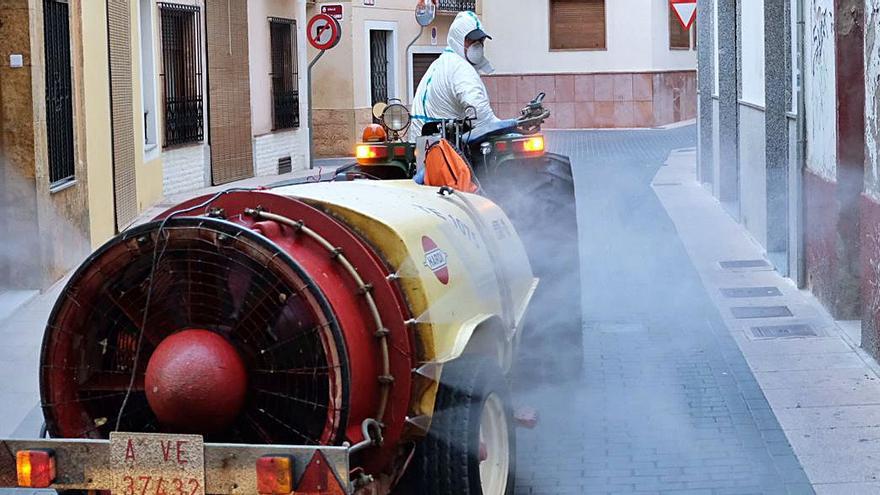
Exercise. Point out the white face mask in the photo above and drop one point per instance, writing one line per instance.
(475, 54)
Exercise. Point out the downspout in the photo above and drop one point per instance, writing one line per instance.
(801, 147)
(410, 90)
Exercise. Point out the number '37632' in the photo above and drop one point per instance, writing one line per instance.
(147, 485)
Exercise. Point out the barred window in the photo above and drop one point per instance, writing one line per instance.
(182, 73)
(59, 93)
(285, 75)
(577, 24)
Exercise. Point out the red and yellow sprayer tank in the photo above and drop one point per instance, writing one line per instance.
(313, 314)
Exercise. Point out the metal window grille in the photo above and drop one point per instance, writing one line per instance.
(59, 101)
(182, 73)
(457, 5)
(285, 74)
(379, 66)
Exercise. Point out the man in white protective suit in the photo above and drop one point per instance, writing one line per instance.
(452, 83)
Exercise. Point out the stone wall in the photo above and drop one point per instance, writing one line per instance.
(578, 101)
(336, 131)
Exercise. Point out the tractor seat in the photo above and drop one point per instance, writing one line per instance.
(487, 131)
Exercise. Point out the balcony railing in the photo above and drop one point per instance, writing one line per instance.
(457, 5)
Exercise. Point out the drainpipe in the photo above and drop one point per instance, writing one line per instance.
(801, 147)
(410, 91)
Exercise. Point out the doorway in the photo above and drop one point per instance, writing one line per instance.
(381, 50)
(378, 66)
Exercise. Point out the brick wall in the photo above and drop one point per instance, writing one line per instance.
(269, 148)
(600, 100)
(185, 169)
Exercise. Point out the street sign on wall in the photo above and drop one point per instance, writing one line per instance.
(333, 10)
(324, 32)
(686, 11)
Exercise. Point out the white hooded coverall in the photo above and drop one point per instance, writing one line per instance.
(452, 84)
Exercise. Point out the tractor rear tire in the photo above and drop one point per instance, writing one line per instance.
(538, 196)
(448, 460)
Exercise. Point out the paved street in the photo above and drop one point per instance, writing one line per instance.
(666, 403)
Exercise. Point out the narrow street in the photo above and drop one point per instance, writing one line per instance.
(666, 402)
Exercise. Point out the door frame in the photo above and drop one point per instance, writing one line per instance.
(393, 62)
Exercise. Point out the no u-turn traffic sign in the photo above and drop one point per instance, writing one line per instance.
(685, 10)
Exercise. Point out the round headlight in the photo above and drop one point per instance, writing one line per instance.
(396, 117)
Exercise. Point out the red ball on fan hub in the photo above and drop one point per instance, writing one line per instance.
(196, 382)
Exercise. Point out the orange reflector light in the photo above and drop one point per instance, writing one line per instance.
(35, 468)
(274, 475)
(367, 152)
(534, 144)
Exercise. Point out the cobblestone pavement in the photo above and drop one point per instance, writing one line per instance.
(665, 403)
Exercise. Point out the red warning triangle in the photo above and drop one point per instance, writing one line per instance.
(686, 11)
(319, 478)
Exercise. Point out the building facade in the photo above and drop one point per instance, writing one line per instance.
(106, 105)
(602, 63)
(71, 172)
(626, 63)
(373, 62)
(229, 89)
(788, 140)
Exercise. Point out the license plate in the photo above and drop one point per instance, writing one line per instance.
(157, 464)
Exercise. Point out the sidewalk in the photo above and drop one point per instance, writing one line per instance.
(21, 329)
(823, 389)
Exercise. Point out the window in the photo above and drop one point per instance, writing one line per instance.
(679, 39)
(182, 73)
(577, 24)
(148, 75)
(420, 64)
(285, 76)
(59, 100)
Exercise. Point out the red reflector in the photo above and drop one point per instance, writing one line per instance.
(501, 146)
(400, 151)
(319, 477)
(274, 475)
(35, 468)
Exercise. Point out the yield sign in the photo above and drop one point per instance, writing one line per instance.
(686, 11)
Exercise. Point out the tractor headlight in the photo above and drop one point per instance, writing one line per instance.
(396, 117)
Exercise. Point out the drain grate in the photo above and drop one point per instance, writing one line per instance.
(735, 264)
(760, 312)
(738, 292)
(784, 331)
